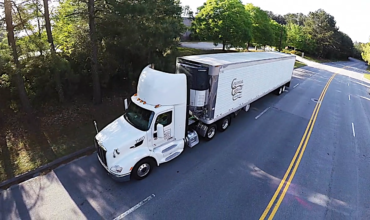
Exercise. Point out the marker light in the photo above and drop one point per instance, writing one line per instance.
(157, 106)
(135, 94)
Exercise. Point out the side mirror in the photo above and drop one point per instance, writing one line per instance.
(160, 130)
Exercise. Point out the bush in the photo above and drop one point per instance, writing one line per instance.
(285, 51)
(293, 52)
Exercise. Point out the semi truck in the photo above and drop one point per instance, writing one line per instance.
(171, 111)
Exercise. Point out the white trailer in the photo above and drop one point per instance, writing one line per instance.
(171, 111)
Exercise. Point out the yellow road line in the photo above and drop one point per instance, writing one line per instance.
(300, 156)
(311, 122)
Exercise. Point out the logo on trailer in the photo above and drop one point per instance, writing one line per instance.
(236, 88)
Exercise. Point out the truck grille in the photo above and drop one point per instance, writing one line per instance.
(101, 153)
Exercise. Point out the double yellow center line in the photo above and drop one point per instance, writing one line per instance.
(300, 151)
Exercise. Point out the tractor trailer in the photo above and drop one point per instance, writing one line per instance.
(173, 110)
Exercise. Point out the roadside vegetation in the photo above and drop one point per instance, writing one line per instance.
(298, 64)
(61, 68)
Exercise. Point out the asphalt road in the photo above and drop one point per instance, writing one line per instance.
(235, 175)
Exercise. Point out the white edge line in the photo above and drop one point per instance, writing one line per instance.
(353, 130)
(262, 113)
(135, 207)
(295, 86)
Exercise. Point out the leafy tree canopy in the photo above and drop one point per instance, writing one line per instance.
(223, 21)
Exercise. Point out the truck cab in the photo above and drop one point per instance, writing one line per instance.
(145, 135)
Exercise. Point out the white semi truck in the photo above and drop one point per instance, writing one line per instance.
(172, 110)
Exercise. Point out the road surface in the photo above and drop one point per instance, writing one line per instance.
(237, 174)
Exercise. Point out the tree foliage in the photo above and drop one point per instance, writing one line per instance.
(366, 52)
(131, 34)
(223, 21)
(295, 18)
(262, 33)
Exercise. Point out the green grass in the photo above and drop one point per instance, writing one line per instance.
(298, 64)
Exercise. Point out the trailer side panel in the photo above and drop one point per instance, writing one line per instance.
(241, 84)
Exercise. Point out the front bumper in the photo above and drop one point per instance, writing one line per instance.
(117, 177)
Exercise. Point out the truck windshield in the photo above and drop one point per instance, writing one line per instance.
(139, 117)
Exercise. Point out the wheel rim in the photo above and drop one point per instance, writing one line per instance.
(143, 170)
(225, 124)
(283, 88)
(280, 90)
(211, 132)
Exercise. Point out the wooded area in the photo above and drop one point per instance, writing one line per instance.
(61, 67)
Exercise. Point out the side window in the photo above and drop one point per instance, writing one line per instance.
(165, 119)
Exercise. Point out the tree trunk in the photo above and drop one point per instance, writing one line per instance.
(94, 53)
(58, 82)
(223, 45)
(38, 26)
(11, 40)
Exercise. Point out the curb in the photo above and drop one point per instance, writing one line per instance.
(47, 167)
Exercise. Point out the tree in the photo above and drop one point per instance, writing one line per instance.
(279, 34)
(223, 21)
(94, 53)
(296, 37)
(342, 47)
(295, 18)
(262, 33)
(11, 40)
(357, 50)
(366, 52)
(321, 27)
(278, 18)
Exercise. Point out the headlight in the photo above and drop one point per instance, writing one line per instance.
(116, 169)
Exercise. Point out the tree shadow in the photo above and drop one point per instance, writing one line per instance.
(24, 201)
(5, 157)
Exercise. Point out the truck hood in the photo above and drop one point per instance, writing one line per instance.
(120, 135)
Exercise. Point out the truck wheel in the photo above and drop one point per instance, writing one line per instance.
(224, 124)
(142, 169)
(211, 132)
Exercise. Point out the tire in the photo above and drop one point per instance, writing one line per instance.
(211, 132)
(142, 169)
(224, 124)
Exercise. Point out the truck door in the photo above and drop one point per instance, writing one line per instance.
(166, 119)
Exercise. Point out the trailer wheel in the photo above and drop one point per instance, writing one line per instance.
(142, 169)
(224, 124)
(211, 132)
